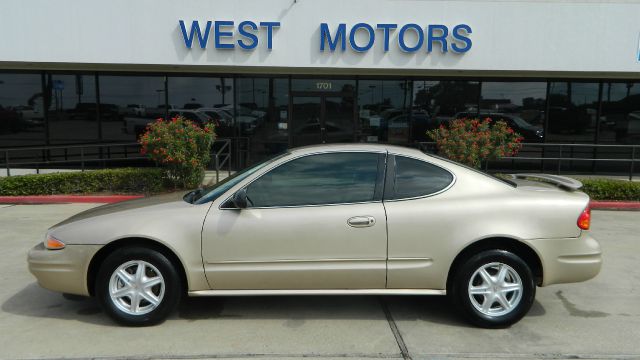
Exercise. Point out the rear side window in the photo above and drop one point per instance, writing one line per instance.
(415, 178)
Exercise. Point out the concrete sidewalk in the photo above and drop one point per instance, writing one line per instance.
(596, 319)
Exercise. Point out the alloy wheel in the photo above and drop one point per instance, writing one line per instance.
(136, 287)
(495, 289)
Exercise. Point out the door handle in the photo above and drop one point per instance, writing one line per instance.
(361, 221)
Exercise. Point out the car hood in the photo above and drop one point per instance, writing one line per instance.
(125, 206)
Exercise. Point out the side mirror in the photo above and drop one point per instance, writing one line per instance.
(239, 199)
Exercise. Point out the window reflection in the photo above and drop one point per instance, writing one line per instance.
(520, 104)
(384, 107)
(620, 118)
(73, 109)
(262, 105)
(134, 100)
(573, 109)
(338, 119)
(444, 99)
(438, 102)
(204, 99)
(21, 110)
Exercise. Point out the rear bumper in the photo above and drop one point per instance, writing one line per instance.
(62, 270)
(568, 260)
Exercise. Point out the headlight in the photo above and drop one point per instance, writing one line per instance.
(52, 243)
(539, 133)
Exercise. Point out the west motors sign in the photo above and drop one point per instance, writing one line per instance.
(563, 38)
(359, 37)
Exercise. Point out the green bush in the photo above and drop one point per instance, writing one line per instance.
(608, 189)
(126, 180)
(181, 147)
(474, 141)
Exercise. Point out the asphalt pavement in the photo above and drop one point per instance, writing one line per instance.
(592, 320)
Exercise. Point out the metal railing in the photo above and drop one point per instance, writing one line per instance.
(566, 153)
(221, 156)
(91, 154)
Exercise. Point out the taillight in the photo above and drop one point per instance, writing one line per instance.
(584, 221)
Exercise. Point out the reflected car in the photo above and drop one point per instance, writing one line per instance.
(197, 117)
(353, 219)
(529, 132)
(135, 110)
(309, 133)
(89, 112)
(223, 117)
(137, 125)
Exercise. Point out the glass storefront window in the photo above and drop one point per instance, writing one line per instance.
(21, 110)
(204, 99)
(128, 104)
(573, 108)
(520, 104)
(437, 102)
(72, 108)
(263, 105)
(384, 108)
(619, 121)
(442, 101)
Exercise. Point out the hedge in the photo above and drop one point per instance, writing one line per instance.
(152, 180)
(608, 189)
(118, 181)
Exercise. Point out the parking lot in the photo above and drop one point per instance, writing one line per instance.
(596, 319)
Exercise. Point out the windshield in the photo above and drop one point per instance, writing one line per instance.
(213, 192)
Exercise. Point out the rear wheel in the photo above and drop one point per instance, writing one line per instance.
(138, 286)
(494, 288)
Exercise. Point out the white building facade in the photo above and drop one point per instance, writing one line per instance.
(284, 73)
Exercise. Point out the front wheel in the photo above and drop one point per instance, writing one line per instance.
(493, 289)
(138, 286)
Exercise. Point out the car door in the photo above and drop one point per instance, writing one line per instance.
(419, 222)
(313, 222)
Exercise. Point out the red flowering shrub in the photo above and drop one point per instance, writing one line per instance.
(472, 141)
(181, 147)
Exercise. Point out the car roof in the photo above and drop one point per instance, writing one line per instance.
(356, 147)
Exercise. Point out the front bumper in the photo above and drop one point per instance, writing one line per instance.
(568, 260)
(62, 270)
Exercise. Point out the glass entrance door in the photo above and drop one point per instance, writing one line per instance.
(322, 118)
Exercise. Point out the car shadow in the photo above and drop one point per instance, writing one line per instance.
(436, 309)
(34, 301)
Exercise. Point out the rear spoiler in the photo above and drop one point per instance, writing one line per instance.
(560, 181)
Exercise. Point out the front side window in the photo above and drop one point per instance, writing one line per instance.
(333, 178)
(414, 178)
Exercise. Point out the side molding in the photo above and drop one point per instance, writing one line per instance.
(317, 292)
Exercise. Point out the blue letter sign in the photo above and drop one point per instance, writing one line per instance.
(361, 37)
(224, 32)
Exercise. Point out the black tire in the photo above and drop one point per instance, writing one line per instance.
(497, 316)
(168, 293)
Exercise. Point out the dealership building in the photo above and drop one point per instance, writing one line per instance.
(276, 74)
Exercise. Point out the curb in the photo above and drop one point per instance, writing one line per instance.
(65, 199)
(615, 205)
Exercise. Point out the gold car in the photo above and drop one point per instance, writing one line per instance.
(331, 219)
